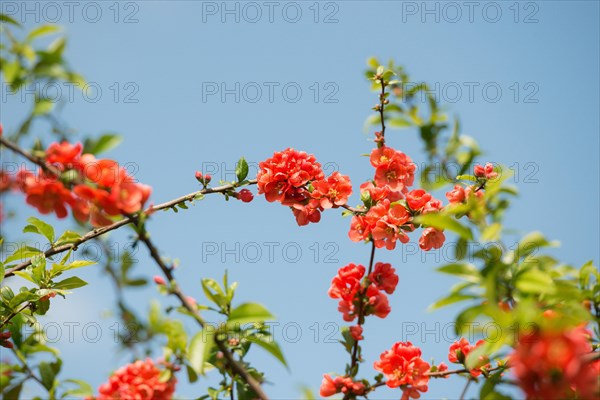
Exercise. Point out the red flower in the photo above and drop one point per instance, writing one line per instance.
(385, 221)
(306, 214)
(378, 193)
(283, 177)
(359, 229)
(377, 303)
(103, 172)
(48, 196)
(393, 168)
(347, 282)
(345, 286)
(403, 367)
(431, 238)
(356, 332)
(65, 154)
(332, 191)
(139, 380)
(459, 351)
(384, 277)
(331, 386)
(457, 195)
(416, 199)
(433, 205)
(551, 365)
(328, 387)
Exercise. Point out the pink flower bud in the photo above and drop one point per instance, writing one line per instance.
(479, 171)
(199, 176)
(207, 178)
(159, 280)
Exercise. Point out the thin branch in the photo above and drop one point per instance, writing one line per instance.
(30, 373)
(125, 221)
(354, 359)
(176, 291)
(14, 314)
(36, 160)
(464, 391)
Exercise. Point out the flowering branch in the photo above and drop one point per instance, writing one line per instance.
(125, 221)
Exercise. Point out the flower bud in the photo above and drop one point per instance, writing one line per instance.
(245, 195)
(159, 280)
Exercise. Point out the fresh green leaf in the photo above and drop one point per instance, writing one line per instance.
(241, 169)
(442, 221)
(41, 31)
(104, 143)
(38, 226)
(69, 283)
(68, 237)
(249, 313)
(269, 345)
(535, 281)
(200, 348)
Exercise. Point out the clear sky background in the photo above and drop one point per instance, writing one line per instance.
(166, 55)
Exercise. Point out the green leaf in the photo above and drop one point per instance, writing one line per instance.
(467, 178)
(450, 299)
(465, 271)
(83, 389)
(14, 393)
(200, 348)
(56, 268)
(41, 31)
(43, 107)
(2, 270)
(535, 281)
(399, 123)
(241, 169)
(491, 232)
(442, 221)
(269, 345)
(531, 244)
(69, 283)
(25, 275)
(249, 313)
(104, 143)
(22, 253)
(6, 18)
(23, 297)
(38, 226)
(47, 374)
(68, 237)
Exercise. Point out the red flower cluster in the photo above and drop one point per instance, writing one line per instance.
(388, 219)
(295, 179)
(94, 189)
(552, 365)
(461, 194)
(486, 172)
(403, 367)
(331, 386)
(137, 381)
(367, 295)
(459, 351)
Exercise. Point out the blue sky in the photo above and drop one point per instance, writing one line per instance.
(543, 57)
